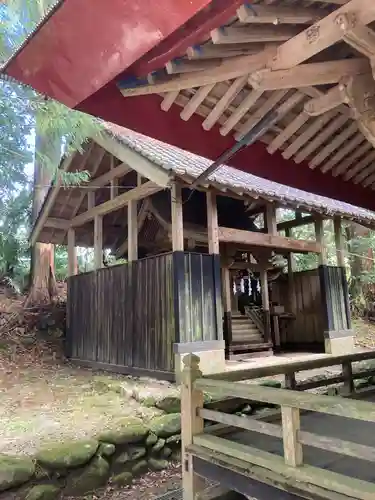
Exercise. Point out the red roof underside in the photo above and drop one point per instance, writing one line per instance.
(80, 51)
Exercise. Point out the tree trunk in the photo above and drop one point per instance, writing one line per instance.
(359, 254)
(42, 273)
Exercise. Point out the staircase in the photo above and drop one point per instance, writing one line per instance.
(246, 336)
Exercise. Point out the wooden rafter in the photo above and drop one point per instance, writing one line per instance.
(288, 132)
(364, 173)
(343, 152)
(360, 165)
(271, 14)
(169, 99)
(195, 101)
(246, 34)
(305, 75)
(333, 98)
(240, 112)
(357, 153)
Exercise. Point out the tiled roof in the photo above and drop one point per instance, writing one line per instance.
(183, 162)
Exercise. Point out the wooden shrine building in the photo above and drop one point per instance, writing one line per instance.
(199, 269)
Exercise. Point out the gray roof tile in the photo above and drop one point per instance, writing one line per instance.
(183, 162)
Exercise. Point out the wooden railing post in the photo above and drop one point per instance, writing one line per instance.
(290, 418)
(347, 373)
(290, 381)
(191, 424)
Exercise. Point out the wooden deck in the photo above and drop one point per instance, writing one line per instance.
(315, 447)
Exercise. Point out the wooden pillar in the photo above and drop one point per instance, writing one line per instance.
(114, 182)
(213, 249)
(98, 241)
(72, 254)
(177, 218)
(339, 241)
(266, 305)
(191, 424)
(132, 231)
(270, 219)
(290, 418)
(322, 257)
(90, 200)
(291, 282)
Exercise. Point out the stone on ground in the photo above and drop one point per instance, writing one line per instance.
(123, 479)
(67, 454)
(140, 467)
(169, 404)
(158, 446)
(106, 449)
(126, 430)
(157, 463)
(15, 471)
(90, 478)
(43, 492)
(136, 452)
(151, 440)
(166, 425)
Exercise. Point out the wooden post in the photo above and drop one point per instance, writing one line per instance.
(72, 254)
(347, 373)
(290, 418)
(266, 305)
(132, 231)
(290, 381)
(114, 182)
(98, 241)
(191, 424)
(270, 218)
(339, 240)
(90, 200)
(212, 224)
(291, 282)
(322, 257)
(177, 218)
(227, 291)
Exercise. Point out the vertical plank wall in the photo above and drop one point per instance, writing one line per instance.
(124, 315)
(308, 327)
(128, 317)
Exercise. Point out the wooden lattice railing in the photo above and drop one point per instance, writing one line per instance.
(288, 472)
(256, 314)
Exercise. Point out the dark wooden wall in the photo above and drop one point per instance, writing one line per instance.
(335, 298)
(127, 318)
(124, 315)
(308, 327)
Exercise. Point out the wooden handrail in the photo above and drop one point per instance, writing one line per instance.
(288, 471)
(291, 367)
(331, 405)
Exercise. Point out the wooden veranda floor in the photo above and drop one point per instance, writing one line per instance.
(346, 429)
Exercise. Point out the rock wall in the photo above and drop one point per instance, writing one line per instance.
(128, 449)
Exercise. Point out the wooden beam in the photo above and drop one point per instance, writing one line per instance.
(103, 180)
(209, 51)
(306, 75)
(360, 37)
(321, 138)
(343, 152)
(132, 231)
(300, 221)
(138, 193)
(248, 102)
(245, 34)
(50, 200)
(177, 218)
(288, 132)
(133, 159)
(321, 35)
(72, 254)
(334, 144)
(169, 99)
(333, 98)
(90, 200)
(271, 14)
(187, 66)
(339, 242)
(227, 70)
(307, 134)
(250, 238)
(349, 160)
(319, 234)
(281, 110)
(233, 90)
(55, 223)
(98, 241)
(197, 99)
(212, 224)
